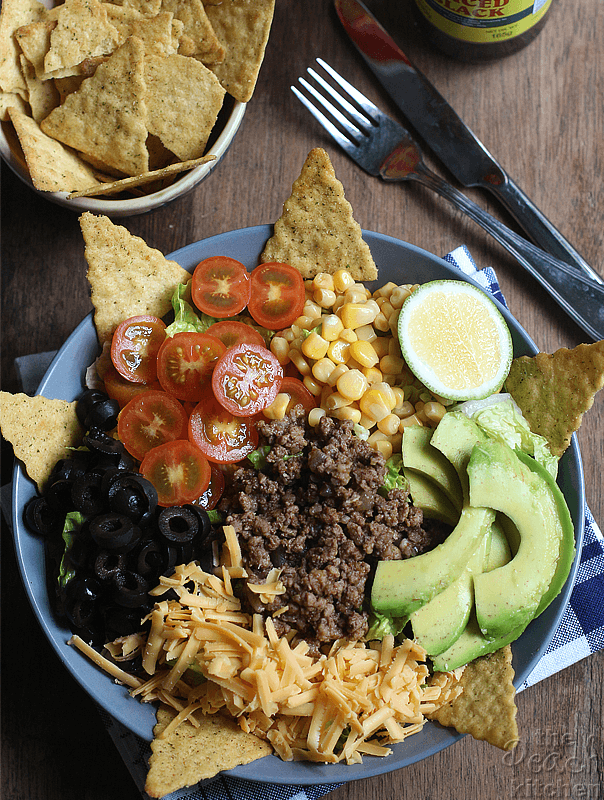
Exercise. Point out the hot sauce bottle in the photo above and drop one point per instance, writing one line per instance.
(481, 30)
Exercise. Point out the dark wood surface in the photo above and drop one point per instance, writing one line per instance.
(541, 113)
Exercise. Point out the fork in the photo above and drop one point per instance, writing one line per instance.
(384, 148)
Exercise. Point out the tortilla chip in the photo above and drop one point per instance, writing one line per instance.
(14, 14)
(42, 95)
(197, 27)
(183, 100)
(71, 83)
(156, 33)
(147, 7)
(139, 180)
(317, 232)
(554, 391)
(40, 430)
(11, 100)
(34, 41)
(243, 27)
(486, 708)
(127, 277)
(192, 754)
(52, 167)
(106, 116)
(82, 31)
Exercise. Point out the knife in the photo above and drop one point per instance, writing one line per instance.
(446, 134)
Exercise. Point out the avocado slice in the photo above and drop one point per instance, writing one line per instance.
(428, 496)
(500, 552)
(455, 436)
(401, 587)
(439, 623)
(508, 598)
(471, 644)
(421, 456)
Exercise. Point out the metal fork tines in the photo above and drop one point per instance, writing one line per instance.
(369, 137)
(386, 149)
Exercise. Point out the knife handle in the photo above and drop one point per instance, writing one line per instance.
(538, 227)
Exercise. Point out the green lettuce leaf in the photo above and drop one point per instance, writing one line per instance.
(185, 318)
(395, 478)
(257, 458)
(381, 625)
(73, 522)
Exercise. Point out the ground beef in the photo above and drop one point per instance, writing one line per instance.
(315, 510)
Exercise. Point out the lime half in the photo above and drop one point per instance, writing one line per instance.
(455, 340)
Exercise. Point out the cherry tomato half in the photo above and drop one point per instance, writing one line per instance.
(185, 362)
(123, 391)
(246, 379)
(178, 470)
(231, 332)
(220, 286)
(134, 348)
(221, 436)
(149, 420)
(298, 393)
(209, 499)
(277, 297)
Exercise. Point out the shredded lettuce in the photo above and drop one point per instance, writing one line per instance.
(381, 625)
(185, 318)
(502, 420)
(214, 516)
(73, 522)
(257, 458)
(395, 478)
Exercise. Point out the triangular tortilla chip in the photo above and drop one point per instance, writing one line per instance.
(243, 27)
(34, 41)
(486, 708)
(42, 95)
(10, 100)
(317, 232)
(191, 754)
(183, 100)
(82, 31)
(156, 32)
(52, 167)
(127, 277)
(40, 430)
(198, 29)
(554, 391)
(14, 14)
(106, 116)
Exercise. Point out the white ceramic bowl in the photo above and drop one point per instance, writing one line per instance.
(227, 125)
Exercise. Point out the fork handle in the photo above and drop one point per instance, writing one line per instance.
(580, 297)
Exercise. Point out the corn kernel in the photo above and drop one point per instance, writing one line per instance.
(324, 297)
(367, 422)
(346, 412)
(288, 335)
(381, 345)
(312, 385)
(311, 309)
(348, 335)
(353, 315)
(399, 397)
(323, 280)
(399, 295)
(381, 323)
(338, 370)
(408, 422)
(392, 365)
(385, 290)
(394, 348)
(364, 353)
(314, 346)
(314, 415)
(299, 362)
(352, 363)
(389, 424)
(374, 404)
(340, 301)
(352, 384)
(280, 349)
(355, 295)
(305, 323)
(278, 408)
(434, 411)
(322, 369)
(338, 351)
(366, 333)
(389, 395)
(331, 327)
(342, 280)
(336, 400)
(404, 410)
(372, 374)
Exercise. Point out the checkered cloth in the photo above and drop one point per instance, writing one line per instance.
(580, 633)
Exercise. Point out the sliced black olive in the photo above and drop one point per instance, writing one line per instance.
(152, 560)
(205, 526)
(100, 441)
(69, 468)
(178, 524)
(87, 496)
(103, 415)
(114, 532)
(81, 601)
(80, 553)
(134, 496)
(85, 403)
(41, 518)
(121, 621)
(130, 590)
(58, 494)
(107, 564)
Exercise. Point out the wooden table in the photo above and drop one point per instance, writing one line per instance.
(541, 113)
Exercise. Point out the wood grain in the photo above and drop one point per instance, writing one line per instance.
(541, 113)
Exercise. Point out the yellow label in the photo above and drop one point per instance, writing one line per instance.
(483, 21)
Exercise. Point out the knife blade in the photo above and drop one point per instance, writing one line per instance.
(447, 135)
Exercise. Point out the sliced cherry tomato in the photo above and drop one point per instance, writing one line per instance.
(277, 296)
(149, 420)
(231, 332)
(221, 436)
(209, 499)
(123, 391)
(185, 363)
(220, 286)
(246, 379)
(299, 394)
(134, 348)
(178, 470)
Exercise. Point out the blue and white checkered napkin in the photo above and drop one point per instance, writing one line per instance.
(580, 633)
